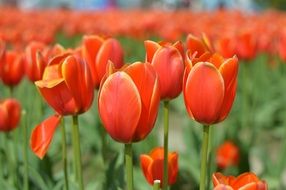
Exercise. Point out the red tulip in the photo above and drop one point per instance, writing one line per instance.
(246, 46)
(168, 62)
(209, 87)
(245, 181)
(227, 155)
(11, 68)
(37, 57)
(97, 51)
(10, 113)
(152, 166)
(198, 45)
(226, 46)
(34, 67)
(68, 89)
(66, 85)
(128, 102)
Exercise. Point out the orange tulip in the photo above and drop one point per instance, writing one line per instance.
(197, 45)
(66, 85)
(97, 51)
(245, 181)
(11, 67)
(227, 155)
(246, 45)
(34, 68)
(128, 102)
(209, 87)
(168, 62)
(152, 166)
(37, 57)
(10, 113)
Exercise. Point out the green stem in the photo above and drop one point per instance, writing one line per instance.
(11, 91)
(166, 136)
(156, 185)
(129, 166)
(204, 157)
(25, 153)
(64, 154)
(77, 154)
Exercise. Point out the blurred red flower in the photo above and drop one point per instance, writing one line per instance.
(10, 114)
(227, 154)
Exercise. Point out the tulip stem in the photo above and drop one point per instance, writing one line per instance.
(204, 157)
(77, 154)
(156, 185)
(166, 136)
(129, 166)
(64, 154)
(25, 152)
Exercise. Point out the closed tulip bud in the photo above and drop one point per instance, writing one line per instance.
(168, 62)
(10, 114)
(209, 87)
(245, 181)
(128, 102)
(152, 166)
(11, 67)
(97, 52)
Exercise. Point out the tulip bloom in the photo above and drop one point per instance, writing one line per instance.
(245, 181)
(168, 62)
(10, 111)
(67, 87)
(227, 155)
(209, 87)
(198, 45)
(152, 166)
(246, 45)
(97, 52)
(128, 102)
(11, 67)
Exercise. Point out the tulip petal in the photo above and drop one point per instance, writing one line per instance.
(42, 135)
(157, 170)
(173, 167)
(146, 162)
(223, 187)
(110, 50)
(245, 179)
(151, 48)
(216, 59)
(204, 93)
(145, 79)
(58, 96)
(157, 153)
(4, 119)
(90, 48)
(229, 71)
(169, 66)
(119, 106)
(78, 79)
(254, 186)
(194, 44)
(179, 46)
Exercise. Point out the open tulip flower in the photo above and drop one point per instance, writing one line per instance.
(37, 57)
(209, 87)
(198, 45)
(227, 155)
(128, 102)
(10, 114)
(245, 181)
(152, 166)
(167, 60)
(97, 52)
(67, 87)
(11, 67)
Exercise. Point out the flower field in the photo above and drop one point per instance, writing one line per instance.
(141, 100)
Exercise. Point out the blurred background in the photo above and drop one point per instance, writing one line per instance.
(163, 4)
